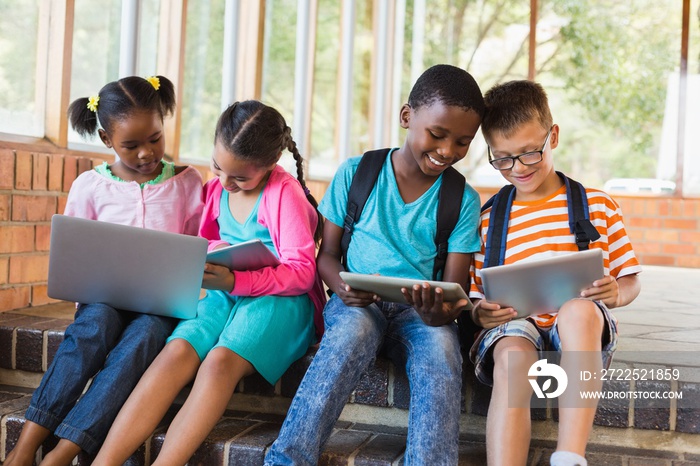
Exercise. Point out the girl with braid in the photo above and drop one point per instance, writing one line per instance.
(261, 320)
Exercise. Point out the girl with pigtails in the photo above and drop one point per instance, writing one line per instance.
(250, 321)
(113, 347)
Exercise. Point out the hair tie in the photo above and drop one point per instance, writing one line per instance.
(155, 82)
(306, 191)
(93, 100)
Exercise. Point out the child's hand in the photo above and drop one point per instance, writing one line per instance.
(606, 289)
(489, 315)
(355, 298)
(218, 277)
(430, 306)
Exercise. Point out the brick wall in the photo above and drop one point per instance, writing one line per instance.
(34, 186)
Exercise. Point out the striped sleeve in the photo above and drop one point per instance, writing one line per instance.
(540, 229)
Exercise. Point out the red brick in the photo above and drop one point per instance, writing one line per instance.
(4, 269)
(664, 236)
(676, 210)
(656, 259)
(70, 171)
(664, 207)
(61, 206)
(29, 269)
(42, 237)
(647, 247)
(689, 261)
(7, 169)
(690, 237)
(680, 223)
(33, 208)
(84, 164)
(689, 208)
(39, 296)
(40, 172)
(678, 249)
(55, 180)
(16, 238)
(14, 298)
(4, 207)
(643, 222)
(23, 170)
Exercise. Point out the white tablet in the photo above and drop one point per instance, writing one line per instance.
(250, 255)
(542, 286)
(389, 288)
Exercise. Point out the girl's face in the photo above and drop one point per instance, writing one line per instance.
(234, 174)
(439, 135)
(138, 141)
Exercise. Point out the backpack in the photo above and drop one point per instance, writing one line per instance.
(501, 202)
(449, 203)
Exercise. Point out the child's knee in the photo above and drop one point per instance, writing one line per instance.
(179, 351)
(512, 355)
(578, 315)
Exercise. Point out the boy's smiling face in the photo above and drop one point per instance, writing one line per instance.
(532, 182)
(439, 135)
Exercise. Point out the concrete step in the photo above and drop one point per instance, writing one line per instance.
(243, 438)
(29, 339)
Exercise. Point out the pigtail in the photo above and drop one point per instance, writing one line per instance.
(82, 118)
(166, 94)
(292, 147)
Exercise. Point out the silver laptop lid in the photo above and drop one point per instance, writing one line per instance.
(128, 268)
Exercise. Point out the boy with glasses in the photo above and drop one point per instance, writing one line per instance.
(521, 137)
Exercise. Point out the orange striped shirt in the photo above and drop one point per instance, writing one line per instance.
(539, 229)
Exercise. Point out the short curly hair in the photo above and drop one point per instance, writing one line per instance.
(449, 85)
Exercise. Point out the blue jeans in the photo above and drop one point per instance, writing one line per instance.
(115, 348)
(350, 344)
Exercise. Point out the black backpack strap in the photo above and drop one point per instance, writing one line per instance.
(497, 232)
(362, 184)
(579, 218)
(449, 207)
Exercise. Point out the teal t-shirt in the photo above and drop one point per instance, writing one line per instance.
(233, 232)
(391, 237)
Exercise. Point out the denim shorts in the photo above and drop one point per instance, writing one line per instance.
(543, 339)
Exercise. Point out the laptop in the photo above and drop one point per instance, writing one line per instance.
(542, 286)
(129, 268)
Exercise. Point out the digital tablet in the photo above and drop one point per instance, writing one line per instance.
(542, 286)
(250, 255)
(389, 288)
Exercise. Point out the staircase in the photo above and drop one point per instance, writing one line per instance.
(372, 428)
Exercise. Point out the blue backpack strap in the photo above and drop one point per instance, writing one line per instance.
(497, 232)
(362, 184)
(579, 217)
(449, 207)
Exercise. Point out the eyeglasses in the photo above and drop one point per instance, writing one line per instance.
(527, 158)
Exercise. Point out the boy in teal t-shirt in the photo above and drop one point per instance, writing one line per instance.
(395, 235)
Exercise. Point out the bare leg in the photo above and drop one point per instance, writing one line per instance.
(62, 455)
(174, 367)
(218, 375)
(30, 439)
(508, 421)
(580, 325)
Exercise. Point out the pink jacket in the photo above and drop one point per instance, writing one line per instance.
(291, 220)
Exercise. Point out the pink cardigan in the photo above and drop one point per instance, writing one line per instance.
(291, 220)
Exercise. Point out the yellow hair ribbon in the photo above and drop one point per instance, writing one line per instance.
(92, 103)
(155, 82)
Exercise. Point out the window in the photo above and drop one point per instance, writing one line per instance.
(22, 70)
(201, 102)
